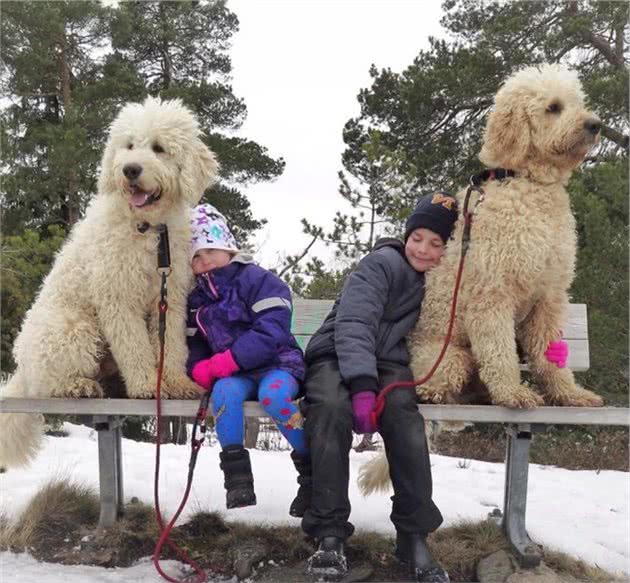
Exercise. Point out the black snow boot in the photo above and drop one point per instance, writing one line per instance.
(302, 500)
(412, 550)
(329, 560)
(239, 482)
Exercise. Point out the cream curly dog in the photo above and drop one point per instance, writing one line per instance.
(521, 259)
(102, 293)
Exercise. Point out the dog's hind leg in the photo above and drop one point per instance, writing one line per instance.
(490, 328)
(541, 327)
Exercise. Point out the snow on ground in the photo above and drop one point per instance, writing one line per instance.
(582, 513)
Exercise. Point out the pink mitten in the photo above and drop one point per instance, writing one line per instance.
(557, 353)
(222, 365)
(362, 407)
(201, 374)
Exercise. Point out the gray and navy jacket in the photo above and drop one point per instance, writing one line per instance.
(377, 307)
(247, 309)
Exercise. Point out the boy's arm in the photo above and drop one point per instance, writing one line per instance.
(271, 307)
(357, 322)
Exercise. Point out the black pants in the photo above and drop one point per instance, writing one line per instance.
(328, 429)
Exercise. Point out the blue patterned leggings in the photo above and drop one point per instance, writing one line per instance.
(275, 391)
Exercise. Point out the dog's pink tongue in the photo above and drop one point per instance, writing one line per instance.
(138, 199)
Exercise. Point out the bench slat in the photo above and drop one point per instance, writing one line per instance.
(309, 314)
(188, 408)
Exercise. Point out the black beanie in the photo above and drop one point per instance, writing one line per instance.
(437, 212)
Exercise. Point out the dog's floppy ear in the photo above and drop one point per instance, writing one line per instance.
(506, 140)
(199, 172)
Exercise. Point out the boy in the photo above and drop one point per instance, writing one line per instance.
(359, 349)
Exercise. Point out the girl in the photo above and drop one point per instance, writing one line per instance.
(241, 348)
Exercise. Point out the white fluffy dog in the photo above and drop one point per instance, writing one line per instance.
(521, 259)
(101, 296)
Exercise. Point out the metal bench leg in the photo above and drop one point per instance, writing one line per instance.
(109, 468)
(519, 438)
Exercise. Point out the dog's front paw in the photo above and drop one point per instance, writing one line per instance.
(143, 386)
(577, 397)
(79, 388)
(181, 387)
(516, 397)
(433, 394)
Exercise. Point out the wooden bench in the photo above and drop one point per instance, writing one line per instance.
(107, 417)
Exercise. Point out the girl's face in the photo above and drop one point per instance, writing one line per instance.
(424, 249)
(205, 260)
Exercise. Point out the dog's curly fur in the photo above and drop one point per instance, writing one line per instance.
(101, 296)
(521, 259)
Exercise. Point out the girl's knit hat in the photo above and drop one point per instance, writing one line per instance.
(436, 212)
(210, 230)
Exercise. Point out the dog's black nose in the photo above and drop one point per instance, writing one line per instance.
(593, 125)
(132, 171)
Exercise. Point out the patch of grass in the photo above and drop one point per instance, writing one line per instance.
(58, 511)
(459, 548)
(573, 448)
(565, 565)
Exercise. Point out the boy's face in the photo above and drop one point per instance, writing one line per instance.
(424, 249)
(205, 260)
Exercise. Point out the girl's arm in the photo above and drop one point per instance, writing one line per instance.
(269, 300)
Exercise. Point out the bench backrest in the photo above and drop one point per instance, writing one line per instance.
(308, 316)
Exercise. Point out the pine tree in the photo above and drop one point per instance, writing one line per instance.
(52, 131)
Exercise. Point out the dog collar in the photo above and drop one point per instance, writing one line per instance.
(491, 174)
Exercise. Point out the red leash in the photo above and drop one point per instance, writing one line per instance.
(380, 398)
(200, 420)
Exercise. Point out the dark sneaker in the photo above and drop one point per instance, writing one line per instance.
(412, 550)
(329, 560)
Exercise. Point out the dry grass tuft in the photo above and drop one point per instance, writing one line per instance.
(459, 548)
(57, 511)
(565, 565)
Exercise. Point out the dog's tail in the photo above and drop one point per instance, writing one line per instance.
(20, 433)
(374, 475)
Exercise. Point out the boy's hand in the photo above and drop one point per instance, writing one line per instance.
(557, 353)
(362, 407)
(222, 365)
(201, 374)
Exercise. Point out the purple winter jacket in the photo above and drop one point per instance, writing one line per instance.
(247, 309)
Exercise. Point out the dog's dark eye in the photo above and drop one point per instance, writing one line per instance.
(554, 107)
(158, 149)
(129, 146)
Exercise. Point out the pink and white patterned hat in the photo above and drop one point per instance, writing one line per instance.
(210, 230)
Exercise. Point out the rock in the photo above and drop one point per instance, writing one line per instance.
(246, 555)
(496, 568)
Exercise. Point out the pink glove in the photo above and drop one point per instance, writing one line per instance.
(222, 365)
(362, 407)
(557, 353)
(201, 374)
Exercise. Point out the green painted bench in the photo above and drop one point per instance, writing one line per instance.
(308, 315)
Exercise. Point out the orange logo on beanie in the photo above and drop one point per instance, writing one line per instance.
(446, 201)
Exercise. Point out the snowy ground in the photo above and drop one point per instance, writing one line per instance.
(582, 513)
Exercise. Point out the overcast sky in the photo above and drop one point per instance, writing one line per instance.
(299, 65)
